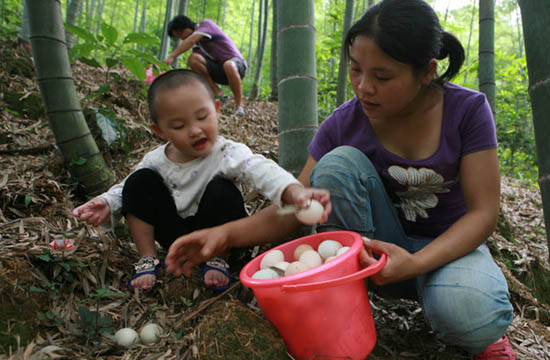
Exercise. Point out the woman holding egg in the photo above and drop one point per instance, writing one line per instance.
(410, 161)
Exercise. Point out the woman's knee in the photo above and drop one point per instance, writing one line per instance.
(471, 310)
(346, 171)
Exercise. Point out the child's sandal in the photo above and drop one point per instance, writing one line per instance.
(145, 265)
(220, 265)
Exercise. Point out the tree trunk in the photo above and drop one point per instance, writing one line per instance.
(100, 7)
(165, 42)
(203, 9)
(143, 21)
(136, 12)
(182, 8)
(54, 77)
(470, 40)
(70, 18)
(447, 11)
(487, 50)
(255, 91)
(535, 18)
(341, 90)
(224, 11)
(90, 15)
(273, 96)
(24, 29)
(251, 35)
(297, 107)
(371, 2)
(520, 38)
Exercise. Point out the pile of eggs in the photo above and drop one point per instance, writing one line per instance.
(273, 264)
(128, 337)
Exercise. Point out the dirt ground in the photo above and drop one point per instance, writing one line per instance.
(67, 306)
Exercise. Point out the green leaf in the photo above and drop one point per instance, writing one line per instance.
(111, 62)
(81, 33)
(135, 66)
(28, 199)
(35, 289)
(141, 38)
(108, 127)
(90, 61)
(104, 293)
(45, 257)
(109, 33)
(78, 161)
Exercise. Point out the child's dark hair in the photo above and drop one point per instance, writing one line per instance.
(409, 31)
(171, 80)
(180, 22)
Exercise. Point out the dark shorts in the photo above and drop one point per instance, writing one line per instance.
(215, 69)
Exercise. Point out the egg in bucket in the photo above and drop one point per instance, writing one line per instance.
(323, 312)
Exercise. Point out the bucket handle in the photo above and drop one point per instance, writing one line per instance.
(361, 274)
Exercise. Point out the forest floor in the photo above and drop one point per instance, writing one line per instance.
(66, 305)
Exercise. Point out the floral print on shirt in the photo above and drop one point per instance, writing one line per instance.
(422, 186)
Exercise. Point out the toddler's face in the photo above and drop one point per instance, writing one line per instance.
(188, 119)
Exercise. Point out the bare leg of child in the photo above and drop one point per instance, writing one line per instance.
(144, 238)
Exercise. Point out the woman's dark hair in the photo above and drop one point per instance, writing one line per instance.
(180, 22)
(408, 31)
(171, 80)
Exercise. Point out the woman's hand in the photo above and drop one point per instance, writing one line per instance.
(195, 248)
(94, 212)
(400, 263)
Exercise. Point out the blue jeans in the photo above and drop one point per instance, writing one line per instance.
(465, 302)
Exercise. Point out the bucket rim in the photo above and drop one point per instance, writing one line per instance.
(354, 250)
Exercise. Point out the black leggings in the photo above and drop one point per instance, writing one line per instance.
(146, 197)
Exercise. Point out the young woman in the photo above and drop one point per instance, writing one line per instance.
(410, 161)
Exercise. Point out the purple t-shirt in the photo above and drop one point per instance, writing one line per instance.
(215, 44)
(426, 192)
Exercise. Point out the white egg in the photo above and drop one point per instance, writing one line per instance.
(300, 250)
(342, 250)
(150, 334)
(328, 248)
(281, 265)
(329, 258)
(271, 258)
(295, 268)
(126, 337)
(265, 274)
(312, 214)
(311, 258)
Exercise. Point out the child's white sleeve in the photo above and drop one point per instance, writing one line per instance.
(255, 170)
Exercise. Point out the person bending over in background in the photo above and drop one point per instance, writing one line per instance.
(411, 163)
(214, 55)
(191, 182)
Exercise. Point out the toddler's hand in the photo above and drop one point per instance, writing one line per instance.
(94, 212)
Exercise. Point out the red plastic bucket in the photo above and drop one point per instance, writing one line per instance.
(322, 313)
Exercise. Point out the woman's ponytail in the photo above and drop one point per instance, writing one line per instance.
(453, 49)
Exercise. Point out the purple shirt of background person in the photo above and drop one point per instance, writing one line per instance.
(215, 44)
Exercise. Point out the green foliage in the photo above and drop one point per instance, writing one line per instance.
(111, 127)
(107, 50)
(63, 271)
(515, 133)
(10, 15)
(92, 324)
(186, 301)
